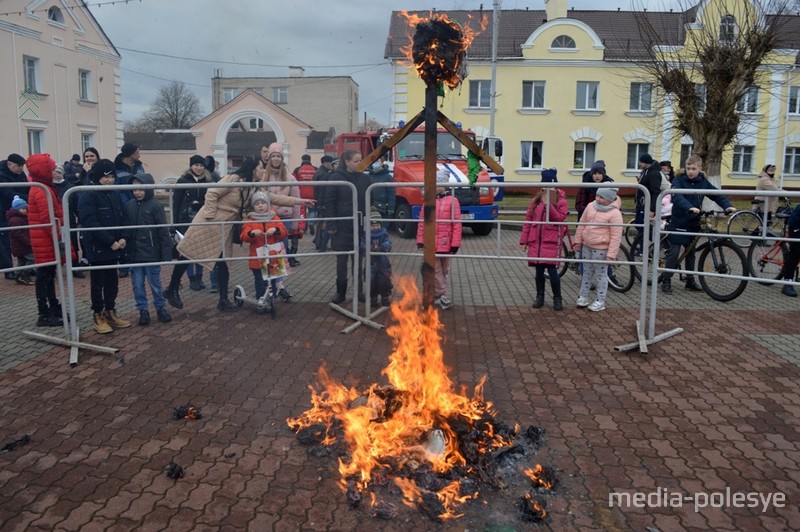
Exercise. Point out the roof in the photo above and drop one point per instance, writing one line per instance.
(162, 141)
(619, 31)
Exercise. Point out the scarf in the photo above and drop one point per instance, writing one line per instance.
(603, 208)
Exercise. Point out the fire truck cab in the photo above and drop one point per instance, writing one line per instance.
(406, 162)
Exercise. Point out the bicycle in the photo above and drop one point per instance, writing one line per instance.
(620, 276)
(765, 257)
(750, 222)
(718, 254)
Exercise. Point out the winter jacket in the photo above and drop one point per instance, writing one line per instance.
(305, 172)
(186, 202)
(286, 212)
(651, 179)
(682, 219)
(42, 237)
(765, 182)
(20, 238)
(380, 243)
(382, 198)
(148, 244)
(7, 194)
(101, 209)
(323, 174)
(123, 176)
(207, 242)
(585, 196)
(544, 239)
(73, 173)
(448, 224)
(61, 189)
(263, 239)
(603, 235)
(339, 203)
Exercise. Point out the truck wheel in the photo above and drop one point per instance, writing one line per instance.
(404, 227)
(482, 229)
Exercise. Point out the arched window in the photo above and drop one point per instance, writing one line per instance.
(727, 29)
(563, 41)
(54, 14)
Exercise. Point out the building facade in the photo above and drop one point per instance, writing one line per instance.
(321, 101)
(61, 73)
(571, 89)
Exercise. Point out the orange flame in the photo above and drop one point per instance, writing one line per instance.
(456, 72)
(534, 509)
(407, 420)
(537, 476)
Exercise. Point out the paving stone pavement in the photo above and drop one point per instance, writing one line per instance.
(715, 407)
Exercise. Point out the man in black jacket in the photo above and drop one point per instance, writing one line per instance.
(11, 171)
(650, 178)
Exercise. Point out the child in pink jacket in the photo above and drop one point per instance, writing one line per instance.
(448, 235)
(542, 239)
(599, 241)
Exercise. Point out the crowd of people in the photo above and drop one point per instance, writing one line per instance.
(278, 213)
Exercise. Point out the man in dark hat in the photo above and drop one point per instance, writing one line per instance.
(126, 165)
(73, 170)
(11, 171)
(650, 178)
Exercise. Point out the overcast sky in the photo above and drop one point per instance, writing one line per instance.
(333, 38)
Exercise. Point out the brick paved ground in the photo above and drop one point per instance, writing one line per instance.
(714, 407)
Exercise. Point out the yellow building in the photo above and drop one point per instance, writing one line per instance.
(571, 89)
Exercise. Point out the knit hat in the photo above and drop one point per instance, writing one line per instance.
(306, 158)
(598, 167)
(646, 159)
(210, 163)
(128, 149)
(58, 169)
(549, 175)
(375, 215)
(665, 163)
(275, 147)
(16, 159)
(76, 157)
(326, 159)
(197, 159)
(608, 194)
(19, 203)
(259, 196)
(101, 168)
(442, 176)
(40, 165)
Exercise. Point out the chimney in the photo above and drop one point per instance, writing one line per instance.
(296, 71)
(555, 9)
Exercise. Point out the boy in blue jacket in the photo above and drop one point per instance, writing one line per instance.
(686, 217)
(148, 244)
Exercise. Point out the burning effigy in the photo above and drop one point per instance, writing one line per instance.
(415, 437)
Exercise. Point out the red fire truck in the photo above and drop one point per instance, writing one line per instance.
(407, 164)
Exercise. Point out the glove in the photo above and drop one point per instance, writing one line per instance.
(454, 249)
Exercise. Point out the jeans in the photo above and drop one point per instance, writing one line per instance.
(153, 276)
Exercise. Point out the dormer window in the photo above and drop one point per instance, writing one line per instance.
(563, 41)
(727, 29)
(54, 14)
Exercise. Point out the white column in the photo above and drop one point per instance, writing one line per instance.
(773, 153)
(667, 117)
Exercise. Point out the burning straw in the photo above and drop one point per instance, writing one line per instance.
(416, 432)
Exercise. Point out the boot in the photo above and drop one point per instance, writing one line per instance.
(100, 325)
(666, 286)
(692, 285)
(539, 301)
(55, 315)
(195, 284)
(173, 296)
(224, 304)
(144, 318)
(113, 319)
(45, 318)
(558, 304)
(163, 315)
(788, 290)
(341, 290)
(293, 262)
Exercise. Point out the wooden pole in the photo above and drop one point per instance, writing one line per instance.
(429, 200)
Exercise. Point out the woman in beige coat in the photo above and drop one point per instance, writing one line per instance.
(207, 241)
(766, 181)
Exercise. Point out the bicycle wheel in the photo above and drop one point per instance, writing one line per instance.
(723, 257)
(620, 276)
(744, 223)
(562, 266)
(765, 258)
(662, 256)
(631, 233)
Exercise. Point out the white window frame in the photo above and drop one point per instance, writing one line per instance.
(728, 29)
(256, 124)
(587, 151)
(636, 150)
(640, 91)
(30, 66)
(563, 42)
(534, 87)
(791, 160)
(229, 93)
(748, 103)
(35, 141)
(794, 101)
(742, 159)
(87, 141)
(84, 85)
(527, 149)
(583, 95)
(280, 95)
(480, 93)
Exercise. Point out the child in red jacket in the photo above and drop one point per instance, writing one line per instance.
(262, 227)
(448, 235)
(542, 239)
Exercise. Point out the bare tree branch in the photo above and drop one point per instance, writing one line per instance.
(175, 107)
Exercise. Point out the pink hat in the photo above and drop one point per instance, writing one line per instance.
(275, 147)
